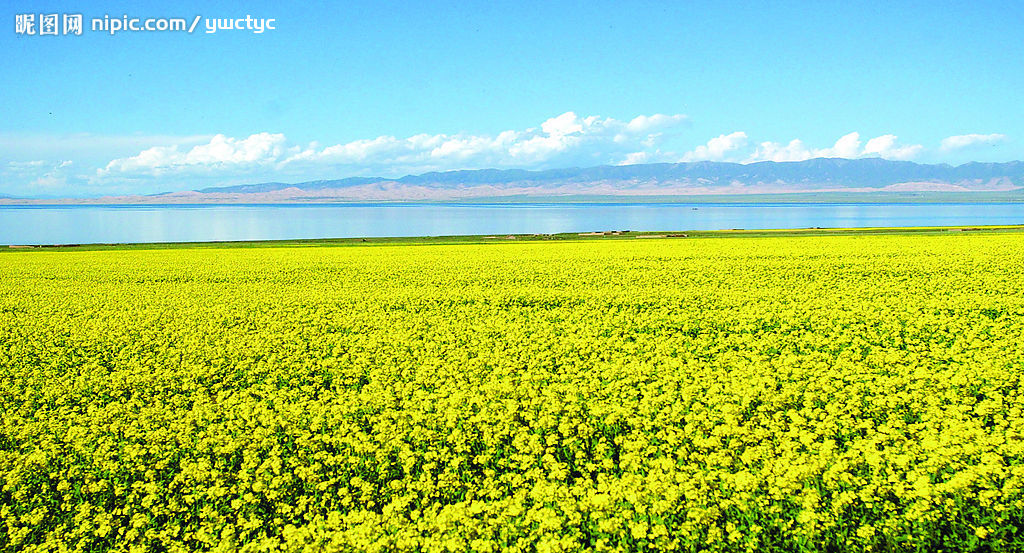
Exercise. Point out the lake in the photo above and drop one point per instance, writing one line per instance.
(189, 223)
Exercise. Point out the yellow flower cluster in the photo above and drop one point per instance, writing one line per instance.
(731, 394)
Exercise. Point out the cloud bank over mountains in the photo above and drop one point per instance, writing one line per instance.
(962, 141)
(567, 140)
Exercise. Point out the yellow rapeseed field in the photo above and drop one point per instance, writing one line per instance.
(845, 393)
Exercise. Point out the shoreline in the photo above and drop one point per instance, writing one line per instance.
(804, 197)
(510, 238)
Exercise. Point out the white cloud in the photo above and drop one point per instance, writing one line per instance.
(258, 148)
(567, 123)
(567, 139)
(967, 140)
(658, 121)
(848, 146)
(220, 152)
(773, 151)
(25, 166)
(885, 147)
(717, 148)
(635, 158)
(37, 174)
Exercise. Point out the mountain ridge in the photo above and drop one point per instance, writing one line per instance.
(819, 176)
(830, 172)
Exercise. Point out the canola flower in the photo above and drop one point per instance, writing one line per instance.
(848, 393)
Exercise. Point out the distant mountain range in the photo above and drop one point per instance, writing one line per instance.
(658, 179)
(835, 172)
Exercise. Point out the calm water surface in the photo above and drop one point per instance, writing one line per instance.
(188, 223)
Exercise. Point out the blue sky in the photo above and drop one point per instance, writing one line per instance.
(382, 88)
